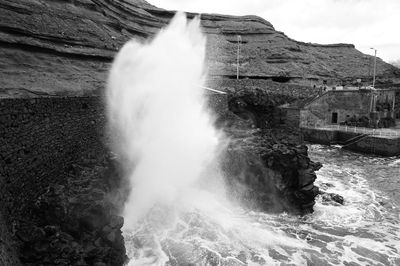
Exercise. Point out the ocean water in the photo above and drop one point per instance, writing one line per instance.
(363, 231)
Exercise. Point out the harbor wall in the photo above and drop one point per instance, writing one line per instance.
(320, 136)
(379, 145)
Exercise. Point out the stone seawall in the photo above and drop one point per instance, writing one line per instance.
(319, 136)
(38, 138)
(379, 145)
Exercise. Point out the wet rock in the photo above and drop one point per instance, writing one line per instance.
(74, 226)
(99, 264)
(242, 256)
(268, 167)
(116, 221)
(93, 219)
(331, 198)
(272, 176)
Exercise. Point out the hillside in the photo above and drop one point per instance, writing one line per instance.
(65, 47)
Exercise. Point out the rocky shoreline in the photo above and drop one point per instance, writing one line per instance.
(270, 175)
(266, 162)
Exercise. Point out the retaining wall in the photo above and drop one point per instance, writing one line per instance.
(377, 145)
(319, 136)
(38, 138)
(385, 146)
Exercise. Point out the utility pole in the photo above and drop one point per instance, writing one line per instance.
(239, 41)
(373, 82)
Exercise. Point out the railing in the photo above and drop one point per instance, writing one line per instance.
(370, 131)
(355, 140)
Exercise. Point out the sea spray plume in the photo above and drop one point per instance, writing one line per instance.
(167, 143)
(157, 115)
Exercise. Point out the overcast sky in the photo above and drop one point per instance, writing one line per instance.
(364, 23)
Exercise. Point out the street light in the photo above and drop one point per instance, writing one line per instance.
(373, 82)
(239, 40)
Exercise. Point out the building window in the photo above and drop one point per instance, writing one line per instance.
(334, 117)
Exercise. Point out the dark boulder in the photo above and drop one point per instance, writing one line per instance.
(75, 224)
(331, 198)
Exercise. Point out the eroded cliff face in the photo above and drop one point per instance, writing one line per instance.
(65, 47)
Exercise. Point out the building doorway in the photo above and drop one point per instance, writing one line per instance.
(334, 117)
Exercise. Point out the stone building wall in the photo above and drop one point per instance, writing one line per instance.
(344, 104)
(380, 145)
(290, 116)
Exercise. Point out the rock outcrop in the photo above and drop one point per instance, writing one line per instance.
(65, 47)
(75, 223)
(267, 169)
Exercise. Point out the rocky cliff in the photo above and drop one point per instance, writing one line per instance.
(65, 47)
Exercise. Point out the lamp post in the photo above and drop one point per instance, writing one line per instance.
(373, 82)
(239, 41)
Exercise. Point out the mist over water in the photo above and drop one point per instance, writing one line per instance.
(157, 108)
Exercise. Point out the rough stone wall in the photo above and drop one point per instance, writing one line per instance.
(385, 103)
(8, 256)
(38, 138)
(308, 118)
(397, 105)
(378, 145)
(385, 146)
(320, 136)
